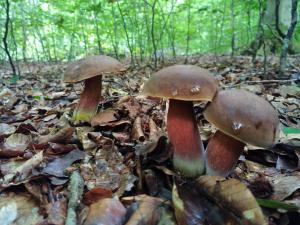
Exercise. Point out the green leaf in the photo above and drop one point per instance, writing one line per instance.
(274, 204)
(290, 130)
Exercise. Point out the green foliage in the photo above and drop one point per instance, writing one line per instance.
(275, 204)
(58, 30)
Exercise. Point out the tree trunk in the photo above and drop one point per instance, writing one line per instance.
(287, 38)
(233, 47)
(4, 39)
(115, 38)
(153, 33)
(187, 47)
(126, 34)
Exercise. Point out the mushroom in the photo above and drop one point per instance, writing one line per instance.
(183, 84)
(90, 69)
(241, 117)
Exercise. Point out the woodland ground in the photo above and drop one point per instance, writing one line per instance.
(125, 151)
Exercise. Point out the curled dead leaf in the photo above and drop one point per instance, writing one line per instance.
(137, 130)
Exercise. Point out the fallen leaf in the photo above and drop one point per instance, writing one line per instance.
(229, 199)
(106, 211)
(17, 142)
(19, 210)
(96, 194)
(104, 118)
(6, 129)
(22, 172)
(147, 212)
(286, 185)
(57, 166)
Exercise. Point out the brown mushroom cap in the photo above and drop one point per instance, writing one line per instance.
(244, 116)
(182, 82)
(90, 67)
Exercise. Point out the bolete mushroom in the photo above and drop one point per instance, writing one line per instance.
(240, 117)
(90, 70)
(183, 84)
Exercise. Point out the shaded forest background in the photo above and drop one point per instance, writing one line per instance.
(54, 30)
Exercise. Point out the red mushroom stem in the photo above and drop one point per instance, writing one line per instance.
(222, 154)
(184, 136)
(89, 100)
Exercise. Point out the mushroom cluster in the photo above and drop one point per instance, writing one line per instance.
(240, 116)
(90, 70)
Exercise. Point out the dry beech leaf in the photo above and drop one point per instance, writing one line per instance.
(6, 129)
(19, 210)
(57, 166)
(147, 212)
(15, 145)
(131, 105)
(108, 211)
(61, 136)
(229, 199)
(233, 195)
(22, 172)
(17, 142)
(285, 186)
(104, 118)
(96, 194)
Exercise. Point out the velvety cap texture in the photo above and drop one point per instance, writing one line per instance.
(182, 82)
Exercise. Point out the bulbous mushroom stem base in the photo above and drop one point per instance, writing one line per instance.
(222, 154)
(89, 100)
(185, 138)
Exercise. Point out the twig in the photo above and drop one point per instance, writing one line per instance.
(75, 194)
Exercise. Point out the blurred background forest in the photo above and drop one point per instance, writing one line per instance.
(55, 30)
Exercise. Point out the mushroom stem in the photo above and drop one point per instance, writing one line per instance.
(222, 154)
(184, 136)
(89, 100)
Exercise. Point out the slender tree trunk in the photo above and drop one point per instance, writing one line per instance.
(149, 50)
(187, 47)
(233, 45)
(100, 49)
(153, 33)
(166, 29)
(70, 54)
(4, 39)
(84, 41)
(220, 37)
(16, 49)
(249, 30)
(54, 44)
(126, 34)
(287, 38)
(36, 48)
(115, 42)
(24, 35)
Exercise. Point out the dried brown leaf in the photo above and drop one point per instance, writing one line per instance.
(104, 118)
(106, 211)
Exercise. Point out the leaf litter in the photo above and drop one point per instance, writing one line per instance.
(122, 161)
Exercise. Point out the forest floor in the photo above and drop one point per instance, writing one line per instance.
(125, 153)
